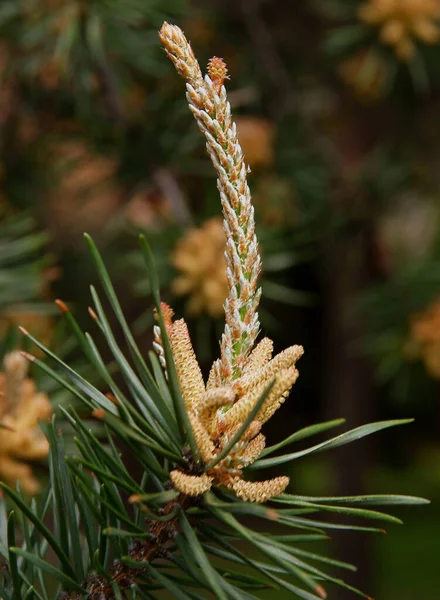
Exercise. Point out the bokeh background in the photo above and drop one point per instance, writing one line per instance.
(336, 103)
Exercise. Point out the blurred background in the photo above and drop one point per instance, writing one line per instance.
(336, 103)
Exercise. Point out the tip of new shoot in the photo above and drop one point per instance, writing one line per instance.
(165, 24)
(23, 330)
(92, 313)
(217, 71)
(321, 591)
(27, 356)
(62, 306)
(134, 498)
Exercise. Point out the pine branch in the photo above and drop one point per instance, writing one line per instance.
(193, 441)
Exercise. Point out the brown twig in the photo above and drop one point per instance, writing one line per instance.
(162, 532)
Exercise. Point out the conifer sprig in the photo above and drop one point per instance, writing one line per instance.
(192, 441)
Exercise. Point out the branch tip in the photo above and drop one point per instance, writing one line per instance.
(218, 72)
